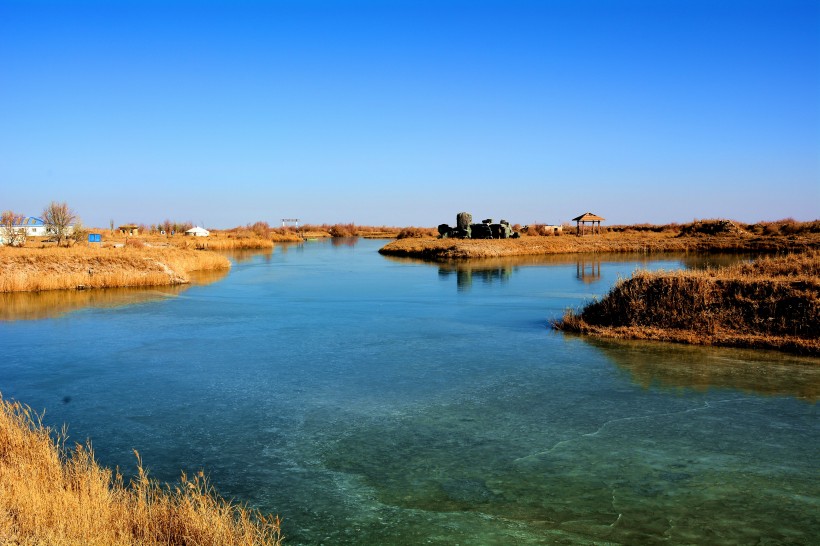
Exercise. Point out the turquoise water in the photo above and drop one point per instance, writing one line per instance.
(370, 400)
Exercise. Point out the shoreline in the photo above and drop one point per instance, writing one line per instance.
(81, 267)
(432, 249)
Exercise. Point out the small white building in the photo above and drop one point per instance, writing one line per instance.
(35, 227)
(197, 231)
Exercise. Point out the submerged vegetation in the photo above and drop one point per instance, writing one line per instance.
(769, 303)
(57, 496)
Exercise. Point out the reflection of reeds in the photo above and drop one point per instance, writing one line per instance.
(55, 303)
(771, 302)
(31, 269)
(53, 495)
(698, 368)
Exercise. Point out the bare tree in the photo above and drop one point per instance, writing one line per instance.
(79, 232)
(58, 218)
(11, 228)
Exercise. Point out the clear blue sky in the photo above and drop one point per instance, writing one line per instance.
(407, 112)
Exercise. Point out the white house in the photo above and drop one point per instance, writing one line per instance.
(35, 227)
(197, 232)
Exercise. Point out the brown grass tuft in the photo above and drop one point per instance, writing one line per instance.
(51, 495)
(416, 232)
(770, 303)
(343, 230)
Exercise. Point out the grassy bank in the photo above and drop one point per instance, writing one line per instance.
(52, 495)
(641, 241)
(769, 303)
(34, 269)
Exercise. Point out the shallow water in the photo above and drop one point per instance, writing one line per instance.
(370, 400)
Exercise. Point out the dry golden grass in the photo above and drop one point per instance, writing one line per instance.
(644, 241)
(224, 242)
(50, 495)
(770, 303)
(416, 232)
(33, 269)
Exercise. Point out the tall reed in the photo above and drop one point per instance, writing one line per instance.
(34, 269)
(644, 242)
(772, 303)
(54, 495)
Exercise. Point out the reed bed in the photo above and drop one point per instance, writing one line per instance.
(56, 496)
(416, 232)
(224, 242)
(35, 269)
(645, 242)
(769, 303)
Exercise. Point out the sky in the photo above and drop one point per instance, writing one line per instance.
(400, 113)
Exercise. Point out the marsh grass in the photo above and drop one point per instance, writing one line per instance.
(769, 303)
(35, 269)
(225, 242)
(644, 241)
(416, 232)
(58, 496)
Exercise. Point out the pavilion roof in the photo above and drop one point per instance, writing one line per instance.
(588, 217)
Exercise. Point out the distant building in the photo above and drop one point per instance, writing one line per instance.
(588, 218)
(129, 229)
(35, 227)
(197, 232)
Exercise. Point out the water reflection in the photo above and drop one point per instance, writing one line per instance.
(587, 266)
(588, 270)
(246, 254)
(55, 303)
(466, 273)
(664, 365)
(344, 241)
(702, 261)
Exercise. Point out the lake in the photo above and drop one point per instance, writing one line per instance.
(370, 400)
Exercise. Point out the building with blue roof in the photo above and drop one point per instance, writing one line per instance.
(35, 227)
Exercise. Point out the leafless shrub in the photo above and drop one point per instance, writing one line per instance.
(11, 230)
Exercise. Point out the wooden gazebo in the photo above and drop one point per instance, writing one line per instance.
(588, 218)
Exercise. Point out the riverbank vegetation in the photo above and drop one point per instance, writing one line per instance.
(132, 265)
(51, 494)
(770, 303)
(258, 235)
(699, 236)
